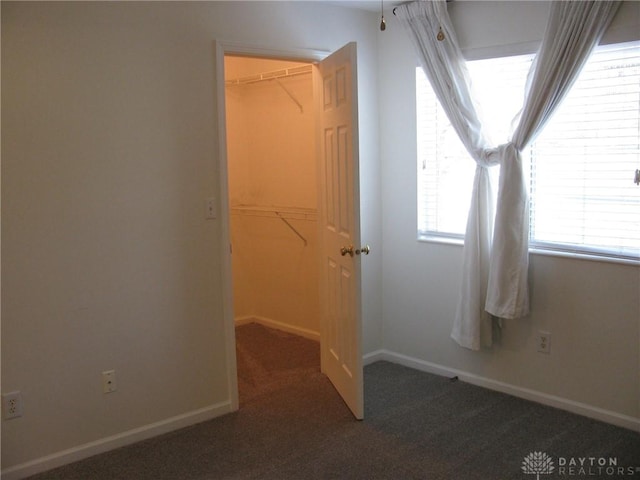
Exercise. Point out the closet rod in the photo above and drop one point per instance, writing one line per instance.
(275, 74)
(270, 211)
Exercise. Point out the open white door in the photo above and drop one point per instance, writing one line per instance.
(339, 209)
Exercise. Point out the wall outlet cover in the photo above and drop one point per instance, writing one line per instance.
(544, 342)
(11, 405)
(108, 381)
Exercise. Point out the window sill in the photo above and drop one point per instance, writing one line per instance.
(456, 241)
(441, 240)
(593, 257)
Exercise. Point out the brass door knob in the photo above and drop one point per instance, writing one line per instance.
(345, 250)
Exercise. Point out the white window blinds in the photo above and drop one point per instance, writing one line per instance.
(583, 198)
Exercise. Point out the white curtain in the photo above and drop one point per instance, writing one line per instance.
(496, 263)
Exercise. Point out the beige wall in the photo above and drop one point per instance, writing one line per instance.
(109, 150)
(591, 308)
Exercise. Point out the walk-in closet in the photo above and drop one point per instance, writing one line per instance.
(273, 193)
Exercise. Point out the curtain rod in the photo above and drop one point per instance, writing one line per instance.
(404, 3)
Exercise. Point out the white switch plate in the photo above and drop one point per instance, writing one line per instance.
(210, 208)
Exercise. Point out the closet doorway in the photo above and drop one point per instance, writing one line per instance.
(272, 186)
(334, 133)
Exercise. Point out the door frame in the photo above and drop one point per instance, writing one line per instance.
(222, 48)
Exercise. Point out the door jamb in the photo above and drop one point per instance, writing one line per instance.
(222, 48)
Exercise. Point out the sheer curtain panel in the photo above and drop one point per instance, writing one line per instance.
(496, 250)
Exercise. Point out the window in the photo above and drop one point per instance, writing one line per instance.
(581, 167)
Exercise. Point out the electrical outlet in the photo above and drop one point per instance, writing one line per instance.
(544, 342)
(11, 405)
(210, 213)
(108, 381)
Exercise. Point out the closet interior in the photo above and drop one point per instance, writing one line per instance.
(273, 193)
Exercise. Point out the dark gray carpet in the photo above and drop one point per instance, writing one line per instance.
(293, 425)
(269, 360)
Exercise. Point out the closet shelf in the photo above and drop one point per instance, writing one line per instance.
(293, 213)
(283, 213)
(260, 77)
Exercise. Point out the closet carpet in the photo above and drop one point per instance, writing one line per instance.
(293, 425)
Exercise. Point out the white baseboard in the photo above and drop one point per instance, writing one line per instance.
(207, 413)
(115, 441)
(268, 322)
(579, 408)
